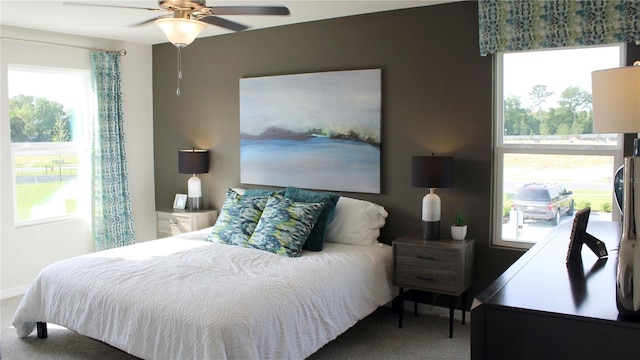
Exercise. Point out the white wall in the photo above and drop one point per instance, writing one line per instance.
(27, 250)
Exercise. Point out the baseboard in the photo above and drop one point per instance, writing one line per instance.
(14, 291)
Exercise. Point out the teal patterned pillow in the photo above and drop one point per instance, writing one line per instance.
(238, 218)
(315, 241)
(284, 226)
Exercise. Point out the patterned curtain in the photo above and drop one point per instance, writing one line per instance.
(533, 24)
(111, 203)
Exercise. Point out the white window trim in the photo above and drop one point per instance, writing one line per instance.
(84, 175)
(500, 149)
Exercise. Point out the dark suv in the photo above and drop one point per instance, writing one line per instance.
(543, 202)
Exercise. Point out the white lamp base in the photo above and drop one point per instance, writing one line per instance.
(431, 216)
(194, 192)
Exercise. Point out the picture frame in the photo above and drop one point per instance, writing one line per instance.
(317, 131)
(180, 202)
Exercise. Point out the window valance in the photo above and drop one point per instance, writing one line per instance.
(529, 24)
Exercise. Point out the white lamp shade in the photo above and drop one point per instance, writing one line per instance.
(180, 32)
(616, 100)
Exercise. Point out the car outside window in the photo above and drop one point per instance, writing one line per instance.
(532, 195)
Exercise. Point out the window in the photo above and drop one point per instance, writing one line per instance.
(548, 161)
(48, 111)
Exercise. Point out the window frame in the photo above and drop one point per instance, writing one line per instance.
(500, 149)
(82, 146)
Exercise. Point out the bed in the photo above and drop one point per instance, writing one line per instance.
(187, 297)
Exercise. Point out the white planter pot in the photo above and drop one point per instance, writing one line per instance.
(458, 232)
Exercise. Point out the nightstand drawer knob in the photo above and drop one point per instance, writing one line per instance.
(424, 278)
(426, 257)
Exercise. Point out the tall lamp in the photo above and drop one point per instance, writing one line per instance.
(193, 162)
(431, 172)
(616, 109)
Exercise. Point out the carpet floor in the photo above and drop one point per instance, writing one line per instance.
(375, 337)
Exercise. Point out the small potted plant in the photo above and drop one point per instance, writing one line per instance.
(459, 228)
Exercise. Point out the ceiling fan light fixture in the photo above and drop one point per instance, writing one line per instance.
(180, 32)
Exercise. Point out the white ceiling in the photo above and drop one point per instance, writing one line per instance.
(116, 23)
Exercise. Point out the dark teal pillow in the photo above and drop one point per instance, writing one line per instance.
(284, 226)
(263, 192)
(315, 241)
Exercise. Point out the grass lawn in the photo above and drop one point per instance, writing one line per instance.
(597, 200)
(30, 195)
(44, 160)
(558, 168)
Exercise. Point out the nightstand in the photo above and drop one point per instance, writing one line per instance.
(437, 266)
(174, 222)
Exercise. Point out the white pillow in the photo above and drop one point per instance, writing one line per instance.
(356, 222)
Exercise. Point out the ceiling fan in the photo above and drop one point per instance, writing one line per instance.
(182, 20)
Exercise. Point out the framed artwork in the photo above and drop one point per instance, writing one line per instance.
(180, 202)
(316, 131)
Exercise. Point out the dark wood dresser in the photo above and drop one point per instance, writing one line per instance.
(542, 309)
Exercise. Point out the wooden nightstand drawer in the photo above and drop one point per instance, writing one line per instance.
(429, 258)
(172, 224)
(439, 266)
(428, 279)
(442, 266)
(175, 222)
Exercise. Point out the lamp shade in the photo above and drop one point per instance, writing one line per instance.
(432, 171)
(616, 100)
(180, 32)
(193, 161)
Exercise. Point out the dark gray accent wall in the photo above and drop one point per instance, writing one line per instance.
(437, 98)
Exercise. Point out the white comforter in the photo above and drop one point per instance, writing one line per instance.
(185, 298)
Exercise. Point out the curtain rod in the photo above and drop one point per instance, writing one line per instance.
(122, 52)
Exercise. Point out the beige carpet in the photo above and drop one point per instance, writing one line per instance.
(375, 337)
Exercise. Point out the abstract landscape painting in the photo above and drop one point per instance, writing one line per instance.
(316, 131)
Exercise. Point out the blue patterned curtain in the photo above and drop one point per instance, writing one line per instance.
(531, 24)
(111, 203)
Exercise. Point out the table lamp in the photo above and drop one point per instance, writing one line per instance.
(431, 172)
(616, 109)
(193, 162)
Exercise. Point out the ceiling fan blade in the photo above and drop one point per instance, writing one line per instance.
(150, 20)
(249, 10)
(73, 3)
(227, 24)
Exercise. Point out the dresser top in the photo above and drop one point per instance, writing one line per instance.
(541, 280)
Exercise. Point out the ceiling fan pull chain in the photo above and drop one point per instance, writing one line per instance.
(179, 71)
